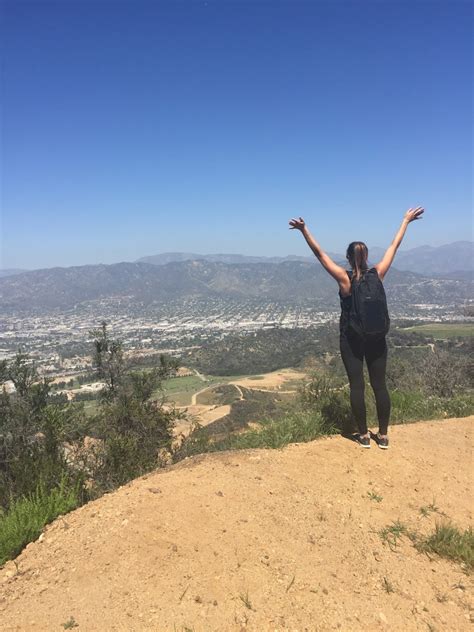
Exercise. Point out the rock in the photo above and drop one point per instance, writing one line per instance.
(383, 618)
(154, 490)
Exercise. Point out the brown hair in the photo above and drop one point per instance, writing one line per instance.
(357, 253)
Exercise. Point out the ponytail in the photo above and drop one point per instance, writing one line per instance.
(357, 253)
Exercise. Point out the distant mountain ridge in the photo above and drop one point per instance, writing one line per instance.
(170, 257)
(455, 260)
(146, 284)
(449, 260)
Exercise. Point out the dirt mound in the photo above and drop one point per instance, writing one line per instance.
(259, 540)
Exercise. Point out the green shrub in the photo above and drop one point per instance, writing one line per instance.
(326, 394)
(133, 432)
(24, 520)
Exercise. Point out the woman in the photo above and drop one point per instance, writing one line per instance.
(353, 347)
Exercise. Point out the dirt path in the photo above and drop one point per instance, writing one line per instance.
(259, 540)
(200, 375)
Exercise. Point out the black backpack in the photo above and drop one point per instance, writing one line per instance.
(368, 315)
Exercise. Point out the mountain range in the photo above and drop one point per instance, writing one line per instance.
(147, 284)
(455, 260)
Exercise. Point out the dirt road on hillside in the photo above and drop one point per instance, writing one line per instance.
(260, 540)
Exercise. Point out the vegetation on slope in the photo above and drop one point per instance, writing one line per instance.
(54, 457)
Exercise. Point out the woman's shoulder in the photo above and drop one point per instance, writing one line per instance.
(347, 286)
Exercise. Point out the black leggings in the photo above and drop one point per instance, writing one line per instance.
(353, 351)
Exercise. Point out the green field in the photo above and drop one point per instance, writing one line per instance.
(443, 330)
(180, 389)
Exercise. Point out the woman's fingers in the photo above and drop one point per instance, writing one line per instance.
(415, 213)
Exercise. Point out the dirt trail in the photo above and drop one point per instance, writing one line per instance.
(259, 540)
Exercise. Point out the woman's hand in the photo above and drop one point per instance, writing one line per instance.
(413, 213)
(297, 223)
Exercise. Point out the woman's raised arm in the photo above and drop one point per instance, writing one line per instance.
(411, 215)
(334, 270)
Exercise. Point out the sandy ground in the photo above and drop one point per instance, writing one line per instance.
(259, 540)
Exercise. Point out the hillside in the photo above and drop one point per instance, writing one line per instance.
(259, 540)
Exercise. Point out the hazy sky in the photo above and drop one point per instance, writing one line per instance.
(133, 128)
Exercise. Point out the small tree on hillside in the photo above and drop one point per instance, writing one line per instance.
(133, 424)
(108, 359)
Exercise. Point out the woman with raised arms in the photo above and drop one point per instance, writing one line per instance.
(355, 340)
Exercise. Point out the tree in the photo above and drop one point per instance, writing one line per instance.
(108, 359)
(132, 424)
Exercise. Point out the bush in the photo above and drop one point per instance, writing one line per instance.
(444, 374)
(133, 431)
(32, 432)
(26, 516)
(326, 395)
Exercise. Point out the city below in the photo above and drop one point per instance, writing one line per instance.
(60, 342)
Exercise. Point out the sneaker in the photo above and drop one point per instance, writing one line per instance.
(382, 442)
(363, 441)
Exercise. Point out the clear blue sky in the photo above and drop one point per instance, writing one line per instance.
(133, 128)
